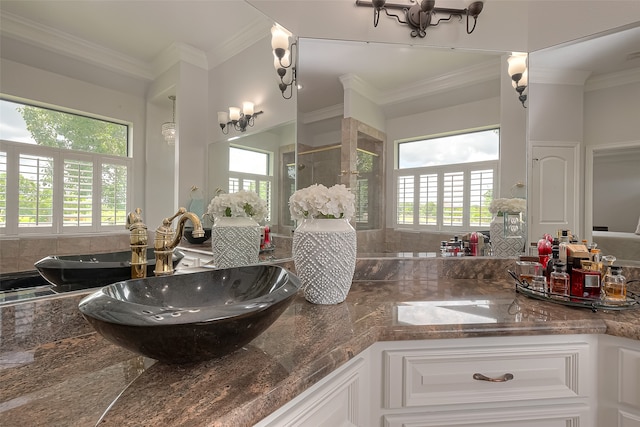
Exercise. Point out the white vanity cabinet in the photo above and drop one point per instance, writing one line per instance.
(506, 381)
(618, 382)
(431, 383)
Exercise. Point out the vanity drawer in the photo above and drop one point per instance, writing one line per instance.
(414, 377)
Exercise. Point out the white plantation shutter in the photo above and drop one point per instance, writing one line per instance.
(481, 183)
(453, 199)
(428, 199)
(405, 197)
(234, 185)
(114, 193)
(77, 207)
(261, 186)
(35, 203)
(448, 197)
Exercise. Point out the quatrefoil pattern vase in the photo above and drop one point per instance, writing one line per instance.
(324, 255)
(235, 241)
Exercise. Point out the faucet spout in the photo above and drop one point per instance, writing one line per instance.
(166, 240)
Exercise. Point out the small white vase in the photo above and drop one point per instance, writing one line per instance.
(235, 241)
(505, 243)
(324, 256)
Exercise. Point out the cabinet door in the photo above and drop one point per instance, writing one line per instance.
(555, 189)
(337, 401)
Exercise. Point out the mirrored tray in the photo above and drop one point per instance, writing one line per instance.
(632, 300)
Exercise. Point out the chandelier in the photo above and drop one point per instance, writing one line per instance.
(169, 128)
(422, 14)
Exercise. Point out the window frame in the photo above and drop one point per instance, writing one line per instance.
(241, 177)
(440, 170)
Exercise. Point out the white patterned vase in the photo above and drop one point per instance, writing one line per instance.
(505, 240)
(235, 241)
(324, 256)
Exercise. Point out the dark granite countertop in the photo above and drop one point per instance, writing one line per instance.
(55, 371)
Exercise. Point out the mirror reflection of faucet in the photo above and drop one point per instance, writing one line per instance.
(138, 242)
(166, 240)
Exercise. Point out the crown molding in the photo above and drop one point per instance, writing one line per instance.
(14, 26)
(559, 76)
(353, 82)
(178, 52)
(323, 114)
(613, 79)
(468, 76)
(251, 34)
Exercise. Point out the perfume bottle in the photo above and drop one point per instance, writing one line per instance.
(614, 287)
(559, 282)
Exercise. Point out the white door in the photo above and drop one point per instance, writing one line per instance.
(555, 189)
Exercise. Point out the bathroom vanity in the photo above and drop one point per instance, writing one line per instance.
(402, 349)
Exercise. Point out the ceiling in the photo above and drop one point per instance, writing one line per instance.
(135, 38)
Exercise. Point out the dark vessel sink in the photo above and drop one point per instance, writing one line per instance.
(75, 272)
(191, 317)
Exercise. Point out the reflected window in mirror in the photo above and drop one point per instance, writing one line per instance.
(447, 182)
(61, 172)
(250, 170)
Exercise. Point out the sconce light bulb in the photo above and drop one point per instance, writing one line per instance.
(517, 63)
(279, 37)
(223, 117)
(234, 114)
(247, 108)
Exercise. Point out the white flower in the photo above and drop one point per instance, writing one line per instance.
(242, 203)
(514, 205)
(318, 201)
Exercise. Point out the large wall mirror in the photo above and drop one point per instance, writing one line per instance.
(604, 69)
(358, 98)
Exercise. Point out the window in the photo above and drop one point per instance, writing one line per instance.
(61, 172)
(250, 170)
(447, 183)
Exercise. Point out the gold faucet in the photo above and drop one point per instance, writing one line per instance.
(138, 242)
(166, 240)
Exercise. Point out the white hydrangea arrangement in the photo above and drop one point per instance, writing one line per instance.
(242, 203)
(514, 205)
(318, 201)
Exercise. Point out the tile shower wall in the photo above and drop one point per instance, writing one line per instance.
(20, 254)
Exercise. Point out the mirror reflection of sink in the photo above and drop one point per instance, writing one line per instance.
(75, 272)
(191, 317)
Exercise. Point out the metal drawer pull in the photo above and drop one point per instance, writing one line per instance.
(500, 379)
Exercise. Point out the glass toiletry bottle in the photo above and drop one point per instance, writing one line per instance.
(563, 240)
(559, 282)
(555, 258)
(614, 287)
(585, 283)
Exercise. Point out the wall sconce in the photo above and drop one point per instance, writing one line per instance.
(283, 59)
(169, 128)
(419, 15)
(517, 69)
(236, 118)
